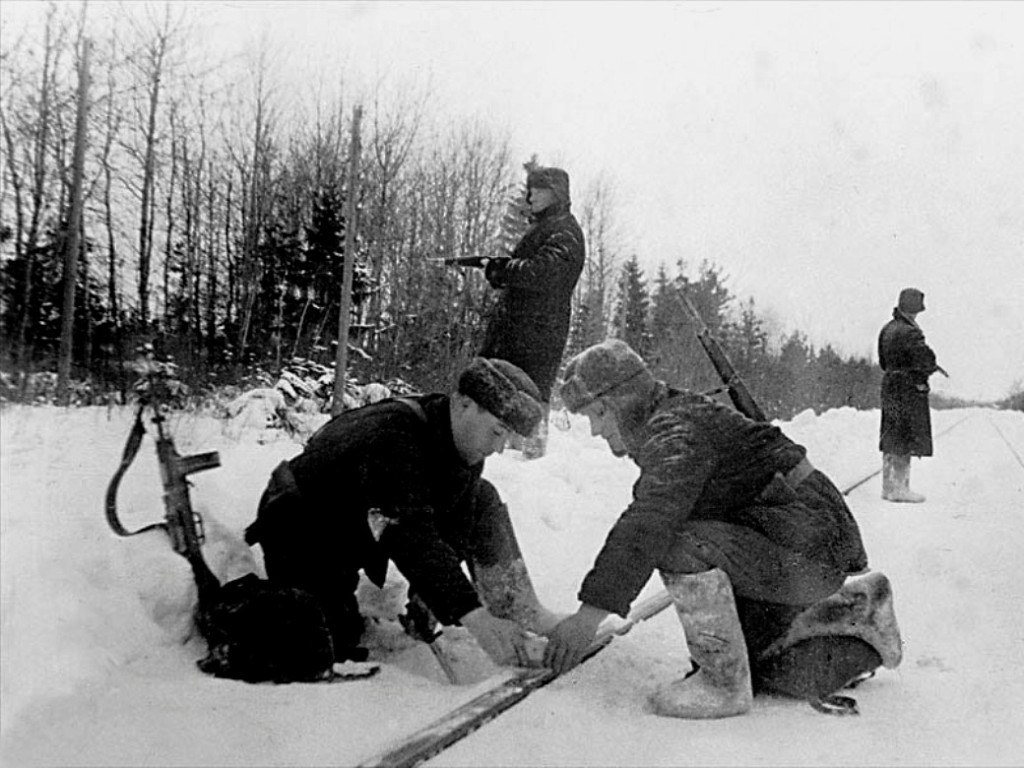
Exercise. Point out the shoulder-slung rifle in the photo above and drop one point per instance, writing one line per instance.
(738, 392)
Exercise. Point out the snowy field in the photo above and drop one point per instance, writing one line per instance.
(97, 668)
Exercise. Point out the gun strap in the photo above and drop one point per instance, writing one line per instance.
(131, 448)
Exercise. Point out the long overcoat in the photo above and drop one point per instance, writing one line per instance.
(530, 324)
(906, 427)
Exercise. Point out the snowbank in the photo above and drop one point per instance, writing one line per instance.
(98, 667)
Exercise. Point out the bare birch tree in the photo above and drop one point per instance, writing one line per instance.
(158, 42)
(73, 226)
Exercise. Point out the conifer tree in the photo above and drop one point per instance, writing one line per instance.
(632, 308)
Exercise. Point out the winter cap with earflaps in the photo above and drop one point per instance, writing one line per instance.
(911, 300)
(610, 368)
(554, 179)
(505, 391)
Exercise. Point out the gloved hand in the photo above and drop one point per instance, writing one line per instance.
(494, 271)
(503, 640)
(570, 639)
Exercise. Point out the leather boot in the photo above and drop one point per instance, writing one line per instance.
(901, 479)
(507, 592)
(720, 686)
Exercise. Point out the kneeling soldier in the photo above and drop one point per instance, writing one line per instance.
(753, 544)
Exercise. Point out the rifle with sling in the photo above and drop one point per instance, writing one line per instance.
(183, 525)
(254, 629)
(734, 385)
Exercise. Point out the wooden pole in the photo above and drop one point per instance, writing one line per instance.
(351, 213)
(73, 228)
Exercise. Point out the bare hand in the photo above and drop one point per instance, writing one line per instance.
(571, 638)
(503, 640)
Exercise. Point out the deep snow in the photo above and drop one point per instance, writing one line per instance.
(95, 670)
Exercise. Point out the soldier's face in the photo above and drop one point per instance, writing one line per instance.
(540, 198)
(476, 431)
(604, 424)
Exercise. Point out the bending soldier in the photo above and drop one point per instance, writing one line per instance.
(400, 480)
(753, 544)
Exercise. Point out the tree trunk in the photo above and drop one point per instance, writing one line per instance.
(211, 243)
(169, 215)
(73, 229)
(351, 208)
(147, 207)
(40, 152)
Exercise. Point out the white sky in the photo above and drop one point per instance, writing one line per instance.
(825, 155)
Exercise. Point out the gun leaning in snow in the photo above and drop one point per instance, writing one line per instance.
(738, 392)
(181, 522)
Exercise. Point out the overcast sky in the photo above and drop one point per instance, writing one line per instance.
(824, 154)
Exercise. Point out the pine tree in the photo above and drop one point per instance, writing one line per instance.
(588, 325)
(746, 343)
(632, 309)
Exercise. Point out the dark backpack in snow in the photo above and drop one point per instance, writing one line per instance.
(260, 632)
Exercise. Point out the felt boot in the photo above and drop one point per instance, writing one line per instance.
(816, 668)
(901, 481)
(507, 592)
(535, 446)
(888, 477)
(834, 644)
(721, 685)
(861, 608)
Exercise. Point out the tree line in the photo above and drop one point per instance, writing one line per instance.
(213, 228)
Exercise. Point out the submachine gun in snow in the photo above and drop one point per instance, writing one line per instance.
(183, 525)
(254, 630)
(738, 392)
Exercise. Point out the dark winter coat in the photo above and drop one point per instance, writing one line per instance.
(386, 459)
(906, 428)
(530, 324)
(703, 461)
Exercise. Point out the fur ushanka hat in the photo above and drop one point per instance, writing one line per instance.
(504, 390)
(911, 300)
(609, 369)
(554, 179)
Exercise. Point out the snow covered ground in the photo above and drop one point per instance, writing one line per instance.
(96, 669)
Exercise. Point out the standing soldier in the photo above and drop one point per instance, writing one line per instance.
(530, 325)
(906, 428)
